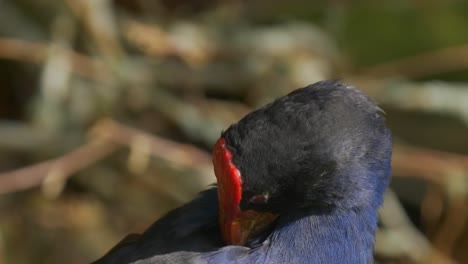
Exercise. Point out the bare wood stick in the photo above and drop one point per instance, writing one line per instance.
(435, 166)
(452, 226)
(428, 97)
(66, 165)
(99, 20)
(36, 52)
(177, 153)
(110, 136)
(400, 237)
(434, 62)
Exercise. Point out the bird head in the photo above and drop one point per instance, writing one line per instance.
(321, 148)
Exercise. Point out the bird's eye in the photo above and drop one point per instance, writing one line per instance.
(259, 199)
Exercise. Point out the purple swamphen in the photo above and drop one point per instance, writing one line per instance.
(299, 181)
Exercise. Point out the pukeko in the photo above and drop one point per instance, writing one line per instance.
(299, 181)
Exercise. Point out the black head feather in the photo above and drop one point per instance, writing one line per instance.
(324, 146)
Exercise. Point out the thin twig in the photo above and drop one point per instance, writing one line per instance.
(36, 52)
(452, 226)
(432, 206)
(65, 166)
(100, 22)
(399, 236)
(426, 64)
(177, 153)
(433, 165)
(115, 135)
(448, 98)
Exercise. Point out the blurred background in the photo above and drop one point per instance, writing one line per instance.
(109, 110)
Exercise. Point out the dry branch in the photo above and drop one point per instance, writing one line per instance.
(110, 135)
(432, 165)
(422, 65)
(63, 167)
(36, 52)
(400, 238)
(177, 153)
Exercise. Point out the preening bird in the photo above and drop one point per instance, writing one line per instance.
(299, 180)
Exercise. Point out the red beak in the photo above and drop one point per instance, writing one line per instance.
(237, 227)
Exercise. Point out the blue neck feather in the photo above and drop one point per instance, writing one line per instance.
(341, 237)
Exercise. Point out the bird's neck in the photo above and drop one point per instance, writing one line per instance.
(341, 237)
